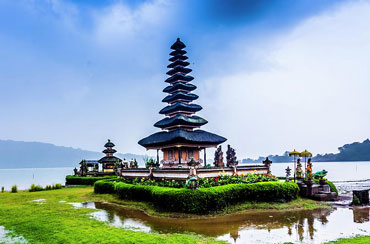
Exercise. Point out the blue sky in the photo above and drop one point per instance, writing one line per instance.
(271, 75)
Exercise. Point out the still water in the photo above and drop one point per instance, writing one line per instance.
(303, 226)
(23, 178)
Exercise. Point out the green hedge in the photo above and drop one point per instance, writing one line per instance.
(202, 200)
(85, 180)
(104, 186)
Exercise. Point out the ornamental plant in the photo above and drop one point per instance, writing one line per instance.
(221, 179)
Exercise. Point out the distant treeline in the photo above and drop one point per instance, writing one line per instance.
(357, 151)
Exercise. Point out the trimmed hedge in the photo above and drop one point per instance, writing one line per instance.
(85, 180)
(202, 200)
(104, 186)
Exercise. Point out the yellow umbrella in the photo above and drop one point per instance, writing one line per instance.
(294, 153)
(306, 154)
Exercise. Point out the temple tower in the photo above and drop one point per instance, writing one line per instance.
(108, 162)
(179, 141)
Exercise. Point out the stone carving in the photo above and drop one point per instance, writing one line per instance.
(287, 174)
(267, 163)
(219, 158)
(83, 169)
(231, 157)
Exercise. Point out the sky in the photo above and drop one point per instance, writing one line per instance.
(272, 75)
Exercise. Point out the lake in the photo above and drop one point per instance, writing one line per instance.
(23, 178)
(297, 226)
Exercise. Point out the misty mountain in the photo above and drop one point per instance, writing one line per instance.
(19, 154)
(357, 151)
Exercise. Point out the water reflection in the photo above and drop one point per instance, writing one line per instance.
(301, 226)
(361, 215)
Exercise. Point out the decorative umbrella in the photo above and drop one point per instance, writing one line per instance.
(294, 153)
(306, 154)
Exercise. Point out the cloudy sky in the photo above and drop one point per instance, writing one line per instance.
(271, 75)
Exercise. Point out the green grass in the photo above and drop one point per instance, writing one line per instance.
(354, 240)
(55, 222)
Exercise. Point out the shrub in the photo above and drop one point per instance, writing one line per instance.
(34, 188)
(85, 180)
(104, 186)
(14, 189)
(56, 186)
(205, 200)
(2, 189)
(356, 201)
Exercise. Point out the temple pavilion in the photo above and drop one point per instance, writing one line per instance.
(180, 139)
(108, 161)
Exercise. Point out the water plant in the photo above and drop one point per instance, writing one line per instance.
(356, 201)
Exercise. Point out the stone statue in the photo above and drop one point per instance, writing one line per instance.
(75, 171)
(83, 168)
(136, 165)
(192, 163)
(287, 174)
(267, 163)
(219, 158)
(231, 157)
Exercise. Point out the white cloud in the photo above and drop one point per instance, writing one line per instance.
(119, 22)
(315, 94)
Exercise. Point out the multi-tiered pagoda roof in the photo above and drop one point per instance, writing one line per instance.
(109, 151)
(180, 122)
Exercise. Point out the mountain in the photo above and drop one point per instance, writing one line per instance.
(357, 151)
(19, 154)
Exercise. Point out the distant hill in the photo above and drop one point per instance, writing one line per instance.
(357, 151)
(18, 154)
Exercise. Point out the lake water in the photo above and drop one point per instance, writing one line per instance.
(299, 226)
(23, 178)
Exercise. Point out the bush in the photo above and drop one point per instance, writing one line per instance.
(205, 200)
(85, 180)
(56, 186)
(34, 188)
(2, 189)
(14, 189)
(356, 201)
(104, 186)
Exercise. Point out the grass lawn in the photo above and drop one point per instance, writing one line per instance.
(354, 240)
(55, 222)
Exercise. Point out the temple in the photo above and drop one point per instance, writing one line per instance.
(109, 161)
(180, 139)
